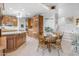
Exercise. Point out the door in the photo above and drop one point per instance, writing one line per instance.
(29, 23)
(40, 25)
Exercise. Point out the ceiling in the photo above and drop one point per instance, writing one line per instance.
(50, 4)
(24, 9)
(31, 9)
(68, 9)
(65, 9)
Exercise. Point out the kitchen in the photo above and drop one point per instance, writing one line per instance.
(31, 25)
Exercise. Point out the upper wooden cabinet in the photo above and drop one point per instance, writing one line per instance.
(9, 21)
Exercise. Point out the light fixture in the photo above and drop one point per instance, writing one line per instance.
(19, 14)
(10, 8)
(28, 13)
(22, 9)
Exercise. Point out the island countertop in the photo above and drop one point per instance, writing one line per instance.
(12, 32)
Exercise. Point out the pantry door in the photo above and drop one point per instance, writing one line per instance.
(29, 23)
(41, 25)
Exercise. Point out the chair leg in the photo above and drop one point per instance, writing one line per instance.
(38, 47)
(61, 48)
(58, 51)
(43, 51)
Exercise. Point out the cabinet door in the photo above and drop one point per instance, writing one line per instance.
(19, 40)
(1, 53)
(10, 43)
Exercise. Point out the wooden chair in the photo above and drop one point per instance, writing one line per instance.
(58, 43)
(2, 45)
(41, 41)
(59, 39)
(48, 42)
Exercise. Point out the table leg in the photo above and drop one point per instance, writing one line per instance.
(49, 47)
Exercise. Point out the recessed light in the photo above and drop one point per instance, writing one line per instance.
(10, 8)
(23, 9)
(28, 13)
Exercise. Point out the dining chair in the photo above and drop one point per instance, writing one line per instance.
(41, 40)
(41, 43)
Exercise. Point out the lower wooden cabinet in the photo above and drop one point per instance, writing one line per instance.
(1, 52)
(14, 41)
(10, 43)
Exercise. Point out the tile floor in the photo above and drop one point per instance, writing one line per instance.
(30, 48)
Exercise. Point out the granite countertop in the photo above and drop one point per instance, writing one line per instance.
(12, 32)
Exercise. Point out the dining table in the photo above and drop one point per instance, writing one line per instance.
(53, 40)
(49, 40)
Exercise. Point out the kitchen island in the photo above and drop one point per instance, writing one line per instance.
(14, 39)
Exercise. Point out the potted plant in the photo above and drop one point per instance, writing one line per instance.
(48, 30)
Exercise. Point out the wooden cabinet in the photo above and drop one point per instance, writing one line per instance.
(9, 21)
(10, 46)
(10, 43)
(1, 52)
(40, 25)
(29, 23)
(21, 38)
(35, 24)
(14, 41)
(2, 45)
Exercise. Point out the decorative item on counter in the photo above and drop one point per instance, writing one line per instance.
(22, 25)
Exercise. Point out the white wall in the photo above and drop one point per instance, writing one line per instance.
(22, 21)
(66, 24)
(68, 9)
